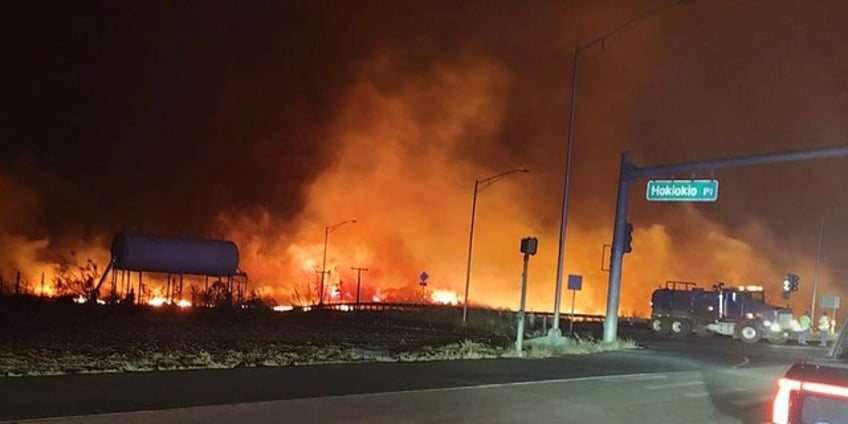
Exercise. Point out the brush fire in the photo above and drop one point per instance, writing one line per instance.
(400, 155)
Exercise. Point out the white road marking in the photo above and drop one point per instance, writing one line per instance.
(634, 377)
(675, 385)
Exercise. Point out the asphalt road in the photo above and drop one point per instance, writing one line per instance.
(695, 380)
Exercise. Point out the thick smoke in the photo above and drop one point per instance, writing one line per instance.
(267, 133)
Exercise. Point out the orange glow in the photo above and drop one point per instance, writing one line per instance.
(444, 297)
(157, 301)
(393, 165)
(401, 155)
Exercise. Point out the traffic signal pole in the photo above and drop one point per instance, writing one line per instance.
(630, 173)
(614, 291)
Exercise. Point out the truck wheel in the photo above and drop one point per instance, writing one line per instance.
(680, 327)
(778, 338)
(660, 326)
(749, 332)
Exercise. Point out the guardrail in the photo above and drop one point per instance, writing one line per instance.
(412, 307)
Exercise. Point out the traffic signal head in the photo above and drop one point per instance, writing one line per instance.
(790, 283)
(628, 238)
(793, 282)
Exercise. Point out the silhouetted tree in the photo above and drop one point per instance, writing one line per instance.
(257, 300)
(73, 278)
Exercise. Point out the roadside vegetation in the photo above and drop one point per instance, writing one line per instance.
(51, 338)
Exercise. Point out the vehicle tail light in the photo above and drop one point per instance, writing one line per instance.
(785, 387)
(780, 409)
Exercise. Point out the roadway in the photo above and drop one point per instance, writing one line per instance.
(714, 380)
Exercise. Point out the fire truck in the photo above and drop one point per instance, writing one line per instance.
(682, 308)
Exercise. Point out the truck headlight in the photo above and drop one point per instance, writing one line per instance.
(767, 323)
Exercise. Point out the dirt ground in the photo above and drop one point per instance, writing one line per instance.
(46, 338)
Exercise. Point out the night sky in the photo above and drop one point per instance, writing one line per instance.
(265, 121)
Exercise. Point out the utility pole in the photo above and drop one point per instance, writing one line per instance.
(358, 280)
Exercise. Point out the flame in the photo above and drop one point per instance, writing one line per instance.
(401, 156)
(394, 166)
(157, 301)
(444, 297)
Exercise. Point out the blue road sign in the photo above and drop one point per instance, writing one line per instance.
(575, 282)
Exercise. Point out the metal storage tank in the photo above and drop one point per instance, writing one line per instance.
(174, 255)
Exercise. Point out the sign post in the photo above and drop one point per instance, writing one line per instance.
(831, 302)
(575, 283)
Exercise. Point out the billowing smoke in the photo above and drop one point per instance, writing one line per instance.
(268, 133)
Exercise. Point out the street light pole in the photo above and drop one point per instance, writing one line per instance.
(565, 190)
(555, 330)
(327, 230)
(816, 269)
(479, 185)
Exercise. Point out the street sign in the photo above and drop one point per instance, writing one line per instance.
(682, 190)
(423, 276)
(575, 282)
(831, 302)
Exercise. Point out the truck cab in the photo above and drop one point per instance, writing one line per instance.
(681, 308)
(815, 391)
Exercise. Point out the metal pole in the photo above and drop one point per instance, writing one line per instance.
(358, 280)
(571, 323)
(468, 260)
(358, 285)
(323, 267)
(816, 269)
(624, 180)
(519, 338)
(566, 185)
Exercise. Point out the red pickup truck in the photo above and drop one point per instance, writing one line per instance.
(815, 391)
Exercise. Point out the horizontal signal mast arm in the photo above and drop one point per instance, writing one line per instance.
(668, 170)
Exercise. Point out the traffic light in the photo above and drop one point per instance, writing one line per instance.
(793, 282)
(628, 238)
(790, 284)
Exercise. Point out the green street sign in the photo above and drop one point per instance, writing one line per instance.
(682, 190)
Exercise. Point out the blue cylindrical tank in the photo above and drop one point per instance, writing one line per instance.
(174, 255)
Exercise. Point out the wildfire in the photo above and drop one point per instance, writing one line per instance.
(444, 297)
(395, 161)
(158, 301)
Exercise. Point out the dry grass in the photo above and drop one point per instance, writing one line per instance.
(581, 347)
(69, 339)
